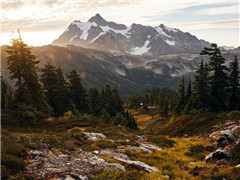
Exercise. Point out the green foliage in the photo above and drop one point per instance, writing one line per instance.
(105, 117)
(68, 116)
(28, 112)
(119, 120)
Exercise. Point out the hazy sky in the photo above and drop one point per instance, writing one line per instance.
(43, 21)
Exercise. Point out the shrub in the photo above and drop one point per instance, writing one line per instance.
(196, 151)
(161, 141)
(4, 172)
(220, 176)
(210, 148)
(115, 175)
(13, 162)
(236, 153)
(68, 116)
(196, 148)
(234, 114)
(28, 112)
(103, 144)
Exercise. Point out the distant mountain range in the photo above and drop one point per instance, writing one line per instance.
(128, 58)
(136, 39)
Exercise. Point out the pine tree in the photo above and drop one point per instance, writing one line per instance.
(189, 90)
(77, 92)
(181, 97)
(234, 92)
(56, 90)
(218, 80)
(201, 88)
(22, 66)
(94, 102)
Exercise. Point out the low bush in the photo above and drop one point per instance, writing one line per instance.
(161, 141)
(196, 151)
(103, 144)
(210, 148)
(13, 162)
(236, 153)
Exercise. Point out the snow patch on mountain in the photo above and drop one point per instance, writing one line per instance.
(180, 72)
(158, 71)
(72, 38)
(140, 50)
(170, 29)
(123, 32)
(171, 43)
(84, 27)
(161, 32)
(101, 33)
(120, 72)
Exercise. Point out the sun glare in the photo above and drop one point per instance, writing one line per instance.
(30, 38)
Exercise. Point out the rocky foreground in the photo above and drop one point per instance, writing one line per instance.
(58, 164)
(49, 163)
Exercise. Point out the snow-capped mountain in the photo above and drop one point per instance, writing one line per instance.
(136, 39)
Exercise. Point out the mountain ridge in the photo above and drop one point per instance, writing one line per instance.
(136, 39)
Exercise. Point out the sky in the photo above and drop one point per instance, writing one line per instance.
(42, 21)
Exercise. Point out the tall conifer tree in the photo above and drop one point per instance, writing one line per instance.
(233, 97)
(218, 79)
(22, 66)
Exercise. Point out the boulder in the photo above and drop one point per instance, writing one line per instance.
(36, 153)
(218, 155)
(226, 138)
(140, 164)
(94, 136)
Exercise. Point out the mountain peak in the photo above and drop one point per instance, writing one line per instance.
(98, 20)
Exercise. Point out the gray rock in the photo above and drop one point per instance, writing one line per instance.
(36, 153)
(94, 136)
(218, 155)
(140, 164)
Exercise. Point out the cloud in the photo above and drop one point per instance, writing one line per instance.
(234, 9)
(222, 24)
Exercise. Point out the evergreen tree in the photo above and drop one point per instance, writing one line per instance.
(181, 97)
(165, 108)
(56, 90)
(233, 98)
(77, 92)
(117, 102)
(201, 88)
(189, 90)
(218, 80)
(22, 66)
(94, 101)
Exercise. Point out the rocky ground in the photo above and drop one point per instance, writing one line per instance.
(53, 163)
(224, 136)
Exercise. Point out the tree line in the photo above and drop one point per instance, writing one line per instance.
(49, 91)
(215, 88)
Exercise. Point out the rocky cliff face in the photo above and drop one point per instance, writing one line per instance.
(136, 39)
